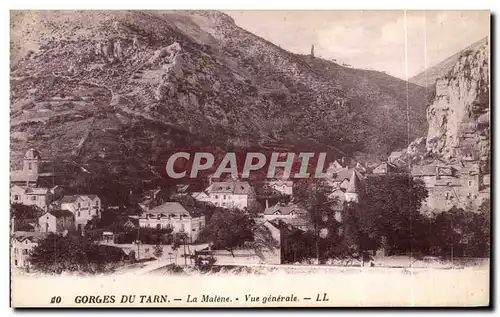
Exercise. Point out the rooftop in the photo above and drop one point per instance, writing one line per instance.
(73, 198)
(283, 209)
(60, 213)
(32, 154)
(236, 187)
(173, 209)
(31, 236)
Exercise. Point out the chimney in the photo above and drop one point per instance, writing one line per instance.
(267, 203)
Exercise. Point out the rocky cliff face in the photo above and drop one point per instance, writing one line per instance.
(459, 116)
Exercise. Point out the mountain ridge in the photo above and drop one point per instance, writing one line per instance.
(428, 77)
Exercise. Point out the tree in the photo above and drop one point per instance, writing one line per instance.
(461, 233)
(25, 212)
(158, 251)
(390, 211)
(228, 230)
(56, 253)
(313, 197)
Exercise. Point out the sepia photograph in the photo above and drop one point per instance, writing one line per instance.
(328, 158)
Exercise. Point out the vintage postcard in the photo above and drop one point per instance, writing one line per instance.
(250, 158)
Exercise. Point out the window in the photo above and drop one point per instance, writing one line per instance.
(16, 197)
(223, 204)
(15, 250)
(78, 205)
(183, 227)
(33, 197)
(194, 229)
(216, 196)
(29, 166)
(25, 251)
(78, 214)
(97, 204)
(470, 183)
(225, 197)
(15, 262)
(447, 196)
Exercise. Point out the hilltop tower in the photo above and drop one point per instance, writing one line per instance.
(312, 50)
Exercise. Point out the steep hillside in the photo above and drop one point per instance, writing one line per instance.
(112, 91)
(428, 77)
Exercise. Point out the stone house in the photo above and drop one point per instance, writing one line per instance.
(57, 221)
(173, 215)
(34, 196)
(288, 213)
(22, 244)
(450, 185)
(83, 207)
(231, 194)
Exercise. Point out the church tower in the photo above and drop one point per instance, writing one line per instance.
(32, 161)
(354, 188)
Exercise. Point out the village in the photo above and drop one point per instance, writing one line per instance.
(167, 228)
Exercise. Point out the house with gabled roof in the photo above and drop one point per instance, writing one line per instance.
(450, 185)
(387, 168)
(22, 244)
(83, 207)
(182, 219)
(57, 221)
(290, 213)
(231, 194)
(41, 197)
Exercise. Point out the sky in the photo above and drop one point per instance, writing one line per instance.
(400, 43)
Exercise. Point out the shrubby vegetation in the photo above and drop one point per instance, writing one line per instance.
(228, 230)
(57, 254)
(387, 218)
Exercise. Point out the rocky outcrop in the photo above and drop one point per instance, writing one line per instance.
(462, 98)
(172, 60)
(417, 150)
